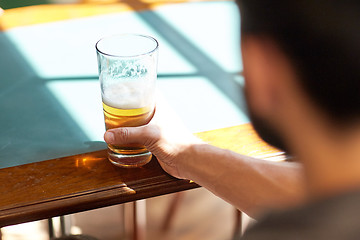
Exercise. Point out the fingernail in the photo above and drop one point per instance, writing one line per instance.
(109, 137)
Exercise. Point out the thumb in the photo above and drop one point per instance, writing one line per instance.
(144, 135)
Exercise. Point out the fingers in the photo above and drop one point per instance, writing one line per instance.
(145, 135)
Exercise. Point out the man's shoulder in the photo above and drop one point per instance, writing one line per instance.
(335, 218)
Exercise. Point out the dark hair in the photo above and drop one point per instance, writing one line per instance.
(322, 39)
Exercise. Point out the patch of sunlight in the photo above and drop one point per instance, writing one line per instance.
(82, 101)
(199, 104)
(214, 27)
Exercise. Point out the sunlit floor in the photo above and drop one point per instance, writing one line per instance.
(200, 215)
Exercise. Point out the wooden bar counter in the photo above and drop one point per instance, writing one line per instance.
(87, 181)
(77, 183)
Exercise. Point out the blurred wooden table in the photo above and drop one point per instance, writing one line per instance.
(87, 181)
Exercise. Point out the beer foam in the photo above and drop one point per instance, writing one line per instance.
(128, 94)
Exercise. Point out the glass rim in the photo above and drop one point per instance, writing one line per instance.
(127, 34)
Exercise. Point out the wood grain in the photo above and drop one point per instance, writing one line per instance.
(67, 185)
(87, 181)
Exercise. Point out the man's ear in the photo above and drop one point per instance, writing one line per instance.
(261, 74)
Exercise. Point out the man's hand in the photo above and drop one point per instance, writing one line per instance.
(165, 136)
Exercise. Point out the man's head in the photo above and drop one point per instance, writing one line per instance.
(321, 42)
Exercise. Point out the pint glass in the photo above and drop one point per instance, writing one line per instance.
(127, 72)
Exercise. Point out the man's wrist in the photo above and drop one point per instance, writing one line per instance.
(191, 159)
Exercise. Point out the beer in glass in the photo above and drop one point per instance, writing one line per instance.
(127, 73)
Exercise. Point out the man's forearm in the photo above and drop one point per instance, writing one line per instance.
(252, 185)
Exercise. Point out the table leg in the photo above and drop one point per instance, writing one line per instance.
(139, 220)
(135, 220)
(51, 228)
(171, 212)
(64, 226)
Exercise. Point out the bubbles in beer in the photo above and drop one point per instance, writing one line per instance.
(134, 71)
(127, 85)
(127, 69)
